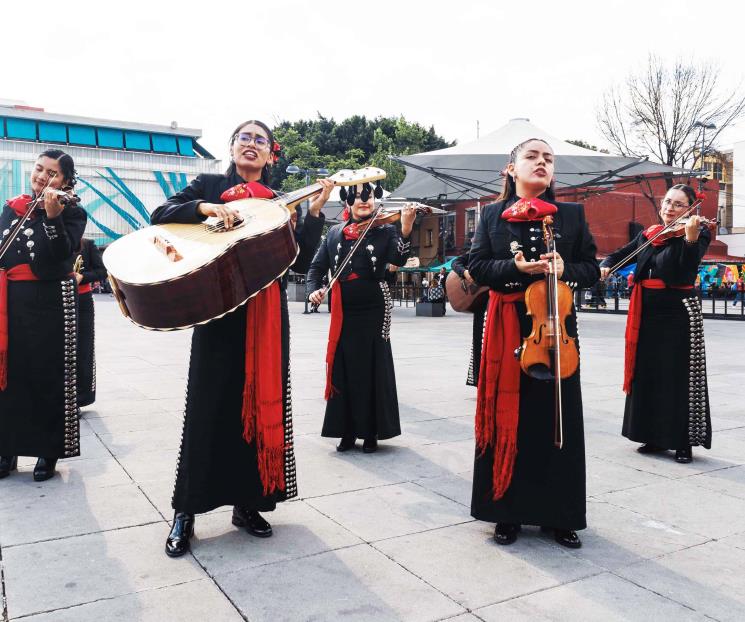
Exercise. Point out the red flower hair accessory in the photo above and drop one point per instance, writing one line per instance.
(276, 152)
(700, 196)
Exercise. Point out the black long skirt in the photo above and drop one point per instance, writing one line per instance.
(548, 484)
(474, 364)
(86, 350)
(669, 401)
(38, 409)
(366, 405)
(216, 465)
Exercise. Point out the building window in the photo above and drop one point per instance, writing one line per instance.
(715, 168)
(428, 237)
(470, 222)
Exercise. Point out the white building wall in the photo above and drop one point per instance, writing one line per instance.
(119, 189)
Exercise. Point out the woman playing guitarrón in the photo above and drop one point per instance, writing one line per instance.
(237, 446)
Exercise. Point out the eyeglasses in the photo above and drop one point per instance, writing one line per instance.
(247, 139)
(675, 204)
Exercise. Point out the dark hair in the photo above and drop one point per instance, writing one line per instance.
(510, 189)
(66, 165)
(687, 190)
(270, 135)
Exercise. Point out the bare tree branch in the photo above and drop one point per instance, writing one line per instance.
(658, 111)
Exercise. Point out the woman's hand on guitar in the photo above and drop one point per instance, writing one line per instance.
(320, 200)
(604, 272)
(467, 276)
(227, 214)
(317, 296)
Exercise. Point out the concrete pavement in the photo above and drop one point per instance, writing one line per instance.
(386, 536)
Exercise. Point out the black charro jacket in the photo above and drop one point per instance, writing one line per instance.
(382, 246)
(182, 208)
(491, 260)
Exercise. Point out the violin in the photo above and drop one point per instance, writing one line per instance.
(66, 197)
(381, 216)
(678, 230)
(549, 353)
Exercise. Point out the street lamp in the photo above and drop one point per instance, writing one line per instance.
(704, 126)
(294, 169)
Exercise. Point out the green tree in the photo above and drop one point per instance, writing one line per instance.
(352, 143)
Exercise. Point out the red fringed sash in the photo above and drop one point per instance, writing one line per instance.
(633, 323)
(498, 397)
(262, 392)
(85, 289)
(21, 272)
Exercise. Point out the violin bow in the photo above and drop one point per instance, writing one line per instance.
(22, 219)
(633, 254)
(554, 277)
(347, 259)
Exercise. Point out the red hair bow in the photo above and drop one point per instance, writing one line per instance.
(700, 196)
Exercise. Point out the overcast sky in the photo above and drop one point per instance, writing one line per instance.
(210, 65)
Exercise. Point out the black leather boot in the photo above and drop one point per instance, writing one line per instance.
(44, 469)
(346, 443)
(177, 542)
(252, 521)
(684, 456)
(649, 448)
(7, 464)
(506, 533)
(370, 445)
(567, 538)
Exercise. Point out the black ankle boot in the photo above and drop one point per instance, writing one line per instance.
(649, 448)
(252, 521)
(8, 464)
(506, 533)
(177, 542)
(567, 538)
(346, 443)
(370, 445)
(44, 469)
(684, 456)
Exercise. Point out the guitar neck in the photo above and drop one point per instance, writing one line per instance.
(291, 199)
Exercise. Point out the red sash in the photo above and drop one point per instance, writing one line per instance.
(633, 323)
(21, 272)
(85, 289)
(262, 413)
(498, 396)
(337, 320)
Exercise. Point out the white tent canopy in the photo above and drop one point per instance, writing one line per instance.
(473, 170)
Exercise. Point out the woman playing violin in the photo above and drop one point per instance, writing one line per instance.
(667, 400)
(520, 476)
(38, 404)
(237, 446)
(361, 399)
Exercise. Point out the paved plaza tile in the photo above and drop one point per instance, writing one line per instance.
(386, 536)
